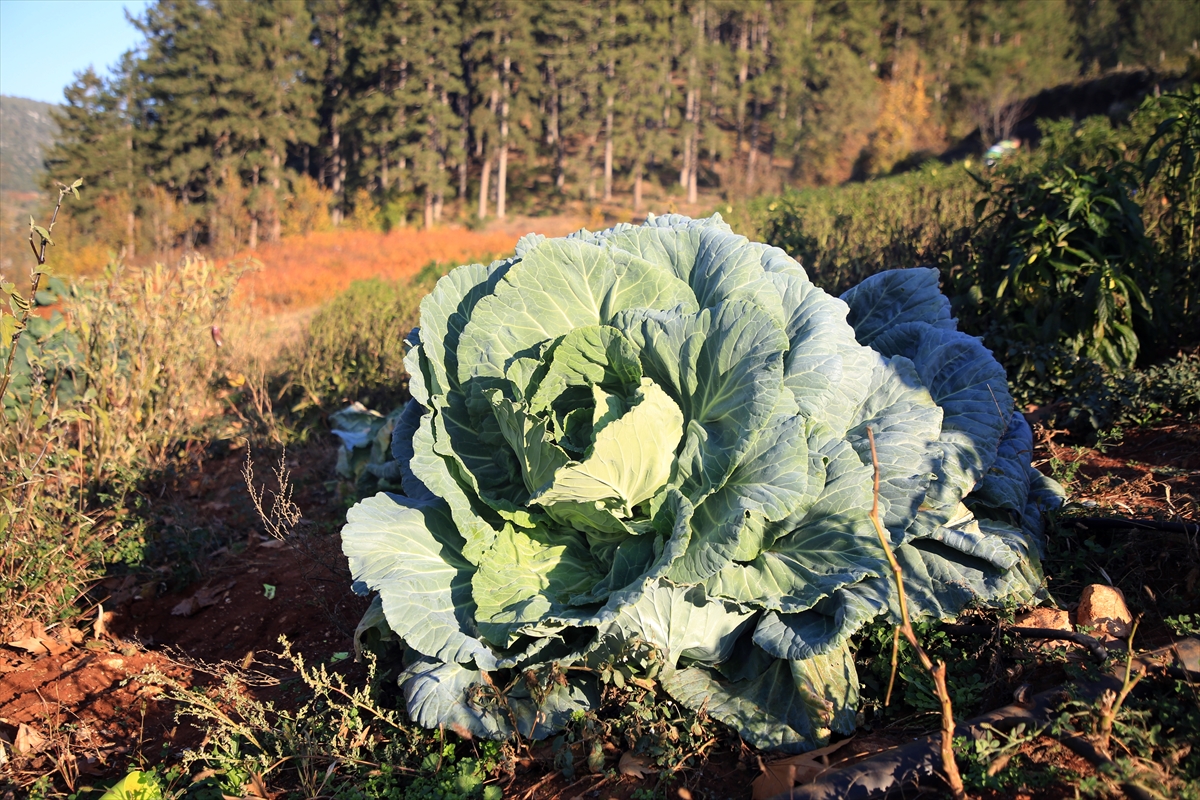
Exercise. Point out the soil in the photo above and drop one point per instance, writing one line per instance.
(1148, 472)
(97, 703)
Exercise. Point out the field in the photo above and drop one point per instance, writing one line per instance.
(202, 632)
(170, 668)
(305, 272)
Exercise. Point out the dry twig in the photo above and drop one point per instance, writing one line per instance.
(936, 671)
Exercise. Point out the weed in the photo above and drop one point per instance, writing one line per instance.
(106, 395)
(993, 761)
(1151, 737)
(1184, 624)
(340, 741)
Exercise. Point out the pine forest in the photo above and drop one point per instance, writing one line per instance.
(236, 123)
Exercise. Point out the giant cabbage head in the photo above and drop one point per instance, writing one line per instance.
(656, 436)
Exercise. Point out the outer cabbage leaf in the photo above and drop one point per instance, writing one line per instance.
(682, 622)
(833, 545)
(558, 287)
(771, 483)
(411, 553)
(888, 299)
(460, 699)
(527, 575)
(972, 390)
(793, 706)
(1005, 486)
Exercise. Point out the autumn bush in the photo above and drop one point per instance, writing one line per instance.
(106, 391)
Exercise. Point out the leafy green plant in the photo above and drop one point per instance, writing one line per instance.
(1069, 262)
(845, 234)
(353, 348)
(1169, 159)
(993, 759)
(661, 434)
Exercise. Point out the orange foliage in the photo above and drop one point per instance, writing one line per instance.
(304, 271)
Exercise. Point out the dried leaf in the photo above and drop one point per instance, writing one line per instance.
(256, 788)
(29, 740)
(34, 646)
(635, 766)
(780, 776)
(76, 663)
(208, 596)
(99, 627)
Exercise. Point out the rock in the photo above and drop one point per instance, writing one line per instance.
(1102, 608)
(1052, 618)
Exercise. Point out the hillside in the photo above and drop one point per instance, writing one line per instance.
(26, 129)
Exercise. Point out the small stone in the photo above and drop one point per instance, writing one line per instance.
(1102, 608)
(1052, 618)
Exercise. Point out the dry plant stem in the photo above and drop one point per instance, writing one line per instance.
(937, 671)
(40, 255)
(1109, 714)
(887, 700)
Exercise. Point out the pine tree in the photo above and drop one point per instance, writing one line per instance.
(503, 56)
(641, 75)
(562, 38)
(280, 98)
(100, 141)
(331, 26)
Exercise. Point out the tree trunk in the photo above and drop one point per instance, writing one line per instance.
(687, 135)
(428, 208)
(695, 148)
(276, 218)
(692, 192)
(211, 191)
(502, 171)
(130, 220)
(637, 186)
(754, 128)
(339, 171)
(743, 74)
(554, 135)
(608, 150)
(253, 239)
(502, 162)
(483, 187)
(439, 197)
(691, 128)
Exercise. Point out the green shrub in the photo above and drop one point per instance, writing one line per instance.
(845, 234)
(1169, 163)
(1067, 261)
(1087, 396)
(1075, 262)
(354, 347)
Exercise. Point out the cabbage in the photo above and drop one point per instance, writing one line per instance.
(657, 436)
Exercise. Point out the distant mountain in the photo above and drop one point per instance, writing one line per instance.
(26, 128)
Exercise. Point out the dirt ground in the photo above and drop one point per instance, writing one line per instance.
(86, 703)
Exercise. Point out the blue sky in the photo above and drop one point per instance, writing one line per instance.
(43, 43)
